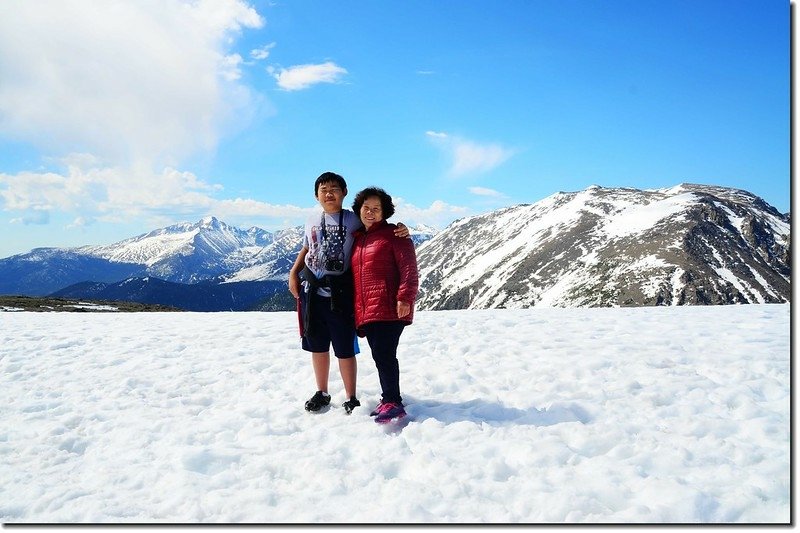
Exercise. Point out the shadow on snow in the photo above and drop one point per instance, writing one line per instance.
(494, 413)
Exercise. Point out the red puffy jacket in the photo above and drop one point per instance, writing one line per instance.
(384, 271)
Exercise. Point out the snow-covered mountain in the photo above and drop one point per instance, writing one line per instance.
(690, 244)
(270, 262)
(422, 233)
(187, 253)
(208, 251)
(182, 253)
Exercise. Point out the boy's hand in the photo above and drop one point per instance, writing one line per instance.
(294, 285)
(294, 273)
(401, 230)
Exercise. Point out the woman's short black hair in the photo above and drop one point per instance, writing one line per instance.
(327, 177)
(387, 207)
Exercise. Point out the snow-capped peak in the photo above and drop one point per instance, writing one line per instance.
(423, 229)
(209, 238)
(211, 222)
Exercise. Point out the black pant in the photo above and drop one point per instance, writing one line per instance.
(383, 338)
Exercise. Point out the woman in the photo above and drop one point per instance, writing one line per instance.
(386, 282)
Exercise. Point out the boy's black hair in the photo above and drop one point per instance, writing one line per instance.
(326, 177)
(387, 207)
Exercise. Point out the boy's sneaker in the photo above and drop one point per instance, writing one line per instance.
(318, 401)
(389, 411)
(351, 404)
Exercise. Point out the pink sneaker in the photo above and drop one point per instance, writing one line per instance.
(389, 411)
(378, 410)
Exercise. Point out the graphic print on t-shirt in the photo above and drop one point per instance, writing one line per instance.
(337, 240)
(327, 247)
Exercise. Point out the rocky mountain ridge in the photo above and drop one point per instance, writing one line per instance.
(689, 244)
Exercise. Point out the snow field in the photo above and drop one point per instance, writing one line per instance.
(676, 415)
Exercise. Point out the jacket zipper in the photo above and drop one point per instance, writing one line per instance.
(361, 253)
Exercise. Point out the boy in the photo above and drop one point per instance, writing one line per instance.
(325, 294)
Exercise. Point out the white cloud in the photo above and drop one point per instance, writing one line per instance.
(439, 214)
(128, 81)
(80, 222)
(119, 94)
(29, 191)
(91, 191)
(469, 157)
(472, 157)
(222, 16)
(249, 208)
(96, 191)
(304, 76)
(230, 67)
(483, 191)
(263, 52)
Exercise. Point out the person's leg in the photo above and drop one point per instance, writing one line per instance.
(348, 368)
(344, 342)
(319, 346)
(383, 338)
(321, 362)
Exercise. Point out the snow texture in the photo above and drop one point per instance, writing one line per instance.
(622, 415)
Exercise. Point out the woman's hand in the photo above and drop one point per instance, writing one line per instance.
(403, 309)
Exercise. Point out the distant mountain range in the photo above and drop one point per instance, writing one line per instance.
(690, 244)
(205, 266)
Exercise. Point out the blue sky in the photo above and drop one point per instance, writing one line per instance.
(119, 117)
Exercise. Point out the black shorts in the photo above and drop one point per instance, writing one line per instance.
(330, 328)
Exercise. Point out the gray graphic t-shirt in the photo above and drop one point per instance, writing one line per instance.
(329, 243)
